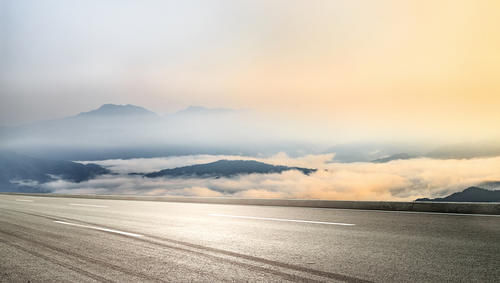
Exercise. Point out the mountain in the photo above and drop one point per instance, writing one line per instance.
(398, 156)
(110, 131)
(471, 194)
(128, 131)
(226, 168)
(21, 173)
(110, 110)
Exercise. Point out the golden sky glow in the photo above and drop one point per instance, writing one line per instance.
(411, 68)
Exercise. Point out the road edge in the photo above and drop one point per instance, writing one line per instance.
(439, 207)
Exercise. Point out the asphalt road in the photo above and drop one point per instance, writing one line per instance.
(84, 240)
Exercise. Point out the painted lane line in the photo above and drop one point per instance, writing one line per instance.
(408, 212)
(434, 213)
(26, 200)
(283, 220)
(89, 205)
(100, 229)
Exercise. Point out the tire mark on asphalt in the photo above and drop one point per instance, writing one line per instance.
(79, 257)
(54, 261)
(291, 277)
(330, 275)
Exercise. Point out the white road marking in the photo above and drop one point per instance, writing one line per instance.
(89, 205)
(281, 219)
(441, 213)
(26, 200)
(100, 229)
(409, 212)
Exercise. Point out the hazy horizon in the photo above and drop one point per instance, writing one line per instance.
(403, 95)
(414, 71)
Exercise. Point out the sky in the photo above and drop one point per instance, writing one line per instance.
(414, 70)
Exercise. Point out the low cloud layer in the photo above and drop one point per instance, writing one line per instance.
(147, 165)
(397, 180)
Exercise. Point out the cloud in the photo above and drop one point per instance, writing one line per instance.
(400, 180)
(258, 193)
(27, 182)
(193, 191)
(147, 165)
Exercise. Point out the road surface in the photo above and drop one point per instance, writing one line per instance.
(89, 240)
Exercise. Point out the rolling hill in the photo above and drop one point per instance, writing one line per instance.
(226, 168)
(471, 194)
(21, 173)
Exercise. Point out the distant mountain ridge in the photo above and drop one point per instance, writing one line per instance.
(115, 131)
(127, 131)
(16, 170)
(118, 110)
(398, 156)
(471, 194)
(226, 168)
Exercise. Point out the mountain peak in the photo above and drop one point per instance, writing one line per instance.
(474, 189)
(118, 110)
